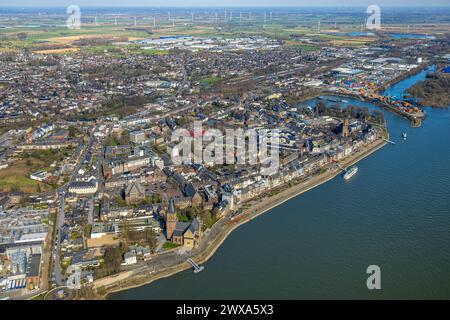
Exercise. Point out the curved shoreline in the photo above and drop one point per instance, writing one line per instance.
(138, 277)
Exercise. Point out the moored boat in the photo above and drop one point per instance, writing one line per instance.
(350, 173)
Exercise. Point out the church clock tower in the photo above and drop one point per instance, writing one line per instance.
(171, 220)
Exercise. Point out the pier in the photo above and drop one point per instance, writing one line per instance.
(389, 141)
(196, 267)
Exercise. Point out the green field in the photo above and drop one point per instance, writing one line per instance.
(207, 82)
(168, 245)
(54, 38)
(17, 177)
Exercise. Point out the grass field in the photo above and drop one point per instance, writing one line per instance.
(170, 245)
(207, 82)
(17, 176)
(38, 37)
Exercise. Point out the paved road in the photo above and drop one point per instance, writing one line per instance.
(185, 80)
(57, 248)
(90, 218)
(62, 192)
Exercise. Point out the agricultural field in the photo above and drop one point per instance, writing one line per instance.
(62, 40)
(100, 39)
(56, 51)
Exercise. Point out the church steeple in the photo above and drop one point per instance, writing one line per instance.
(171, 208)
(171, 219)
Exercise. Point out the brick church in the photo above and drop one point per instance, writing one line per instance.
(182, 233)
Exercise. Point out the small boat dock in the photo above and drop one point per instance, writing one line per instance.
(196, 267)
(389, 141)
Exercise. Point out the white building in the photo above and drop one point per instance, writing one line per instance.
(83, 187)
(137, 136)
(32, 237)
(39, 176)
(130, 258)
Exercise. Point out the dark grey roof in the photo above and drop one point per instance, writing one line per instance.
(167, 171)
(5, 201)
(178, 233)
(171, 208)
(195, 225)
(182, 226)
(82, 184)
(179, 179)
(33, 265)
(190, 190)
(135, 185)
(129, 255)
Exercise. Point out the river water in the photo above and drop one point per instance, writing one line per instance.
(394, 213)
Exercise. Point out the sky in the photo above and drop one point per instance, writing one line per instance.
(219, 3)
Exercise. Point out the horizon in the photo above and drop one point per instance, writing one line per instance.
(231, 6)
(228, 4)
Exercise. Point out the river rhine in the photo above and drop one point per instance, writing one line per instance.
(394, 213)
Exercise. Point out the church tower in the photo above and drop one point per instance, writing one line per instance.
(171, 219)
(345, 125)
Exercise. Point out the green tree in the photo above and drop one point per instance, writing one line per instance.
(113, 259)
(156, 198)
(208, 218)
(150, 239)
(125, 137)
(126, 230)
(73, 131)
(87, 231)
(120, 201)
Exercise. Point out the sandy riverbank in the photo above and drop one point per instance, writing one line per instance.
(141, 276)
